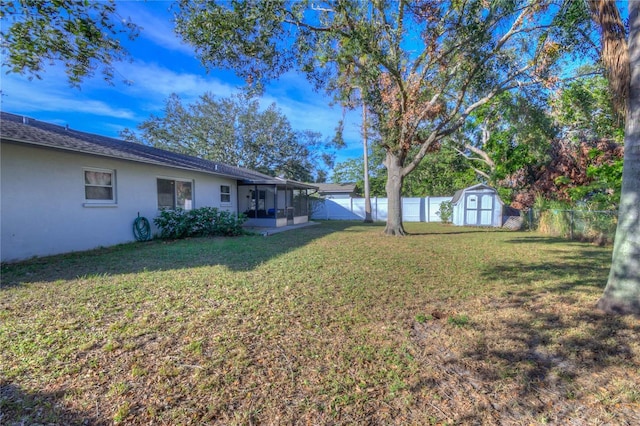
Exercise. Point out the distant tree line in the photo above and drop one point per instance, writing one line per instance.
(235, 130)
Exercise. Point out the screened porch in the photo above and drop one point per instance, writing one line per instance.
(274, 204)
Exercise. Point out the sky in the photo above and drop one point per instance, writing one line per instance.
(162, 64)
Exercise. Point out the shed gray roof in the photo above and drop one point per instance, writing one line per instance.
(459, 192)
(19, 129)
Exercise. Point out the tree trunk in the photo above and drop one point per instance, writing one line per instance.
(622, 293)
(367, 192)
(394, 195)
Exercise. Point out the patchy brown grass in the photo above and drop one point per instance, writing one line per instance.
(332, 324)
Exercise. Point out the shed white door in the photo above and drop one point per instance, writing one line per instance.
(479, 209)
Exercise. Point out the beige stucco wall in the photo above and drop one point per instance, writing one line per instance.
(42, 205)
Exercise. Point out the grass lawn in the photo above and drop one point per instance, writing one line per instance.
(330, 324)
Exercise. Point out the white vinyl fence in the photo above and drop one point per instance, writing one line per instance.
(413, 209)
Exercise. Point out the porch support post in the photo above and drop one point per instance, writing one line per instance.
(275, 200)
(255, 201)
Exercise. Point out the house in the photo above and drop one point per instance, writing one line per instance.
(477, 205)
(63, 190)
(336, 190)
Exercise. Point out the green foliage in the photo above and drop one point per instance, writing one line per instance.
(202, 222)
(584, 110)
(603, 192)
(236, 131)
(348, 171)
(82, 35)
(440, 173)
(507, 134)
(352, 171)
(446, 211)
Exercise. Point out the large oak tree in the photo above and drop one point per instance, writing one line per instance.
(422, 66)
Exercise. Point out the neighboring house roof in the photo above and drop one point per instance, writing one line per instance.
(19, 129)
(332, 188)
(459, 192)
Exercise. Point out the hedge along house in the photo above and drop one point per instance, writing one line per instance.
(63, 190)
(477, 205)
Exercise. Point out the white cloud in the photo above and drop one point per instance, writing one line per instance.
(156, 20)
(154, 81)
(32, 96)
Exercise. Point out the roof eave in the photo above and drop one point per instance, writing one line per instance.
(117, 157)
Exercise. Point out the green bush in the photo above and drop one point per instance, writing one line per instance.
(446, 211)
(202, 222)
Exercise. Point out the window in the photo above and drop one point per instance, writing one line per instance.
(225, 194)
(99, 186)
(175, 194)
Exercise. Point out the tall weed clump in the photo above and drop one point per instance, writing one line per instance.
(598, 226)
(553, 218)
(202, 222)
(584, 222)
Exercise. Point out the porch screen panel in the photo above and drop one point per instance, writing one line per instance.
(300, 203)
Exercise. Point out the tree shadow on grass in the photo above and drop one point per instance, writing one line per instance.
(555, 344)
(555, 362)
(532, 359)
(19, 407)
(236, 253)
(451, 232)
(538, 350)
(531, 239)
(568, 270)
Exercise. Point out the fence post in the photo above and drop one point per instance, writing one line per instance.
(571, 226)
(376, 219)
(427, 210)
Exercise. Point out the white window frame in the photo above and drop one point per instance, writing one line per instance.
(89, 202)
(222, 194)
(175, 195)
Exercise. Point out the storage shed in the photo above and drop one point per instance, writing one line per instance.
(477, 205)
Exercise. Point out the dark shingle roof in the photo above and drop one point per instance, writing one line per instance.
(16, 128)
(335, 187)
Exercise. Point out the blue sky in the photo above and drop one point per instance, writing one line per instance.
(161, 65)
